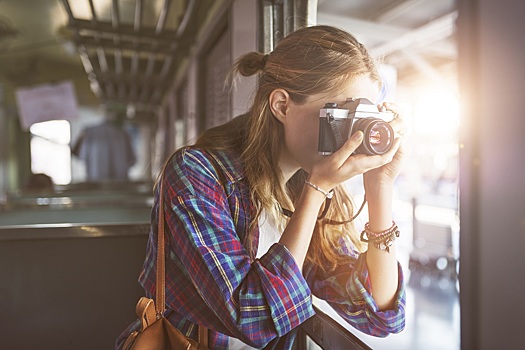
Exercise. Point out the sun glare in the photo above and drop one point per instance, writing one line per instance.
(436, 111)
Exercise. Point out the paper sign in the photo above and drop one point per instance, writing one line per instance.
(46, 102)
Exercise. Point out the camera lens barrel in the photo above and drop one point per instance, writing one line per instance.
(378, 135)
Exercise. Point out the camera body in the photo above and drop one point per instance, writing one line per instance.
(336, 125)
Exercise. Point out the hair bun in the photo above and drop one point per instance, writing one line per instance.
(264, 60)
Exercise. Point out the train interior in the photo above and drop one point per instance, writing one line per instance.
(143, 78)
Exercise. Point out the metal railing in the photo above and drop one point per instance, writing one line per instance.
(327, 333)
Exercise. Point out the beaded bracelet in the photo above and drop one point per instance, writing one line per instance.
(379, 235)
(381, 240)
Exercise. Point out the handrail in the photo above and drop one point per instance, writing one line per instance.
(328, 334)
(62, 231)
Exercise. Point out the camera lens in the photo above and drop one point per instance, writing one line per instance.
(378, 136)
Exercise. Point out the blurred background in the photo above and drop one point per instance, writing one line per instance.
(96, 94)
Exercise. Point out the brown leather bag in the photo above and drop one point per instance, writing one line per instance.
(156, 332)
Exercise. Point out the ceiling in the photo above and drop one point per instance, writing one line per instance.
(31, 52)
(415, 36)
(116, 52)
(123, 51)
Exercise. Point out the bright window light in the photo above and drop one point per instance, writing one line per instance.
(50, 151)
(436, 111)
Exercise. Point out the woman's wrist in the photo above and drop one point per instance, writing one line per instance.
(326, 193)
(314, 192)
(319, 182)
(298, 232)
(378, 188)
(380, 207)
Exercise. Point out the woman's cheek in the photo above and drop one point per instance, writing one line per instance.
(310, 146)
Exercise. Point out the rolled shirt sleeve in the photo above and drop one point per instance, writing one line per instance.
(348, 291)
(284, 285)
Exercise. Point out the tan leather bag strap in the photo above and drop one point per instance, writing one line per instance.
(145, 310)
(160, 303)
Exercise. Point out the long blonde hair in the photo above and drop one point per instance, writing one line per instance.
(309, 61)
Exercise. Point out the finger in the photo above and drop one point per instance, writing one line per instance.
(399, 126)
(388, 156)
(365, 163)
(397, 123)
(403, 150)
(396, 147)
(361, 163)
(394, 107)
(348, 147)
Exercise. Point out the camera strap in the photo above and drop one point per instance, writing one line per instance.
(336, 137)
(289, 213)
(327, 221)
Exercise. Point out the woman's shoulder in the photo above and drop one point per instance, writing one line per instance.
(192, 161)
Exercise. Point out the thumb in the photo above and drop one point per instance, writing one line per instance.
(349, 147)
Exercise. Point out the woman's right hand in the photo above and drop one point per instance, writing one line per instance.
(342, 165)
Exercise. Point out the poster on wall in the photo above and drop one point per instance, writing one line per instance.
(46, 102)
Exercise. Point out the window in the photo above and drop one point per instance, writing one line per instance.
(415, 41)
(50, 151)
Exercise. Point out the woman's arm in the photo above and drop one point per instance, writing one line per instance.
(326, 174)
(382, 264)
(255, 301)
(346, 289)
(379, 173)
(298, 233)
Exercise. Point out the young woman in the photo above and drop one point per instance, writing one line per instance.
(246, 249)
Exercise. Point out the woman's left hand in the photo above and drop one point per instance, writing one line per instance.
(386, 174)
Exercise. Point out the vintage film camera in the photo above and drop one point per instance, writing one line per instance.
(336, 125)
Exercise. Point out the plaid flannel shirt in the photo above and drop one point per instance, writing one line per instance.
(212, 280)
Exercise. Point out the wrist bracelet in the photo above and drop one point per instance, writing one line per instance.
(328, 194)
(381, 240)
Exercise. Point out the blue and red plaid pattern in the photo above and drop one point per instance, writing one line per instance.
(211, 278)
